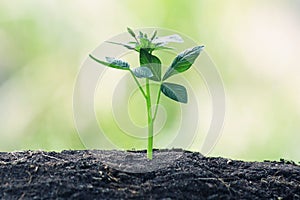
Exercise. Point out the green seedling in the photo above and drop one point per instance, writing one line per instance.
(150, 70)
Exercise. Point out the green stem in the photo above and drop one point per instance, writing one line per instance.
(136, 40)
(150, 122)
(157, 103)
(138, 83)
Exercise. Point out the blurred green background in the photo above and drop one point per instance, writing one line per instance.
(255, 45)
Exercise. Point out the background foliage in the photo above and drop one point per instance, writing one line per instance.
(255, 45)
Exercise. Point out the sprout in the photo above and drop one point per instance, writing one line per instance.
(150, 70)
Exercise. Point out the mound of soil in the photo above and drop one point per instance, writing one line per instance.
(172, 174)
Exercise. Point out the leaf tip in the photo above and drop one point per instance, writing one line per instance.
(200, 48)
(131, 32)
(92, 57)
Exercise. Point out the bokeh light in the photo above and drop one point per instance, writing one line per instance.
(253, 43)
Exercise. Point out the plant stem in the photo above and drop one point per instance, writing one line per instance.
(138, 83)
(136, 40)
(150, 122)
(157, 102)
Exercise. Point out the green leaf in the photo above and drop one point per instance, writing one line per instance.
(154, 35)
(152, 62)
(175, 92)
(145, 43)
(130, 31)
(142, 72)
(183, 61)
(141, 34)
(163, 48)
(167, 39)
(128, 46)
(112, 62)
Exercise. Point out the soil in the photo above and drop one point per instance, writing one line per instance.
(172, 174)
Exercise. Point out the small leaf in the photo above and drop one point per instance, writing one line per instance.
(141, 35)
(130, 31)
(167, 39)
(183, 61)
(117, 62)
(142, 72)
(128, 46)
(162, 48)
(154, 35)
(112, 62)
(145, 43)
(175, 92)
(152, 62)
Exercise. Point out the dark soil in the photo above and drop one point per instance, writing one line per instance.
(173, 174)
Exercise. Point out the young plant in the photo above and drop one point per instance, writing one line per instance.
(150, 70)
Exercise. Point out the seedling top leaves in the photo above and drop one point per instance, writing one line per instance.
(183, 61)
(150, 69)
(150, 44)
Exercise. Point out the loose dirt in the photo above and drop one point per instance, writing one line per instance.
(173, 174)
